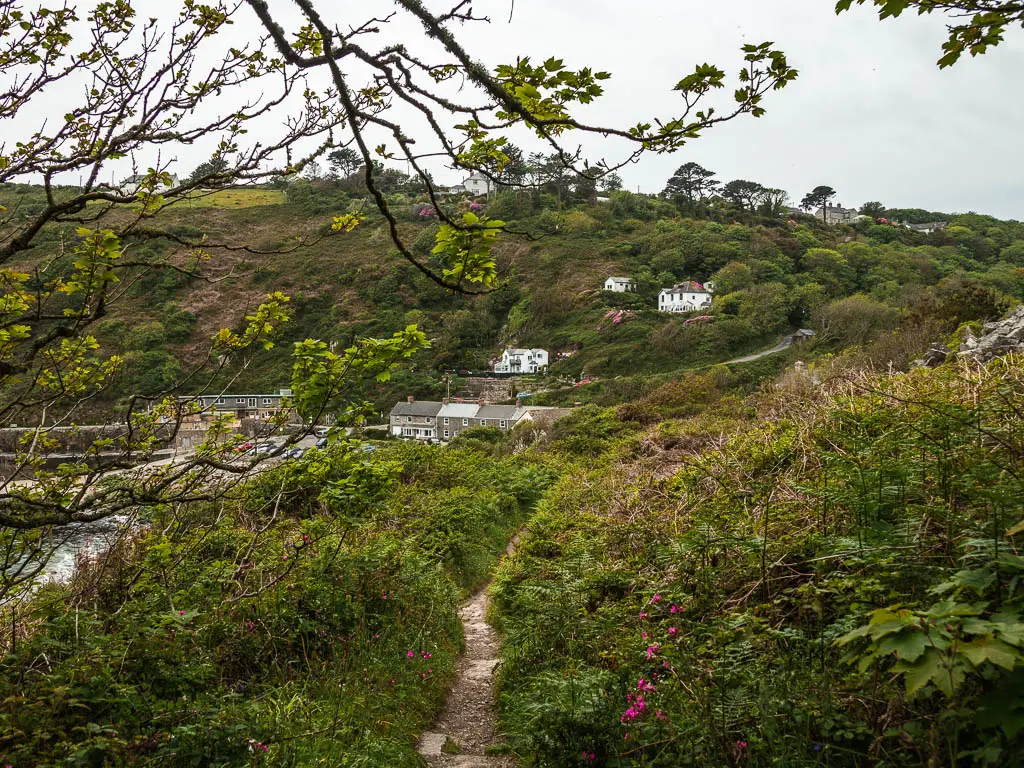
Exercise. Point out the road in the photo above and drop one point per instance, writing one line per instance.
(782, 346)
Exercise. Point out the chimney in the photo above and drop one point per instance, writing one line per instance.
(519, 403)
(411, 399)
(444, 401)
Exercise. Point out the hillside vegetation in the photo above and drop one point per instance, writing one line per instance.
(771, 275)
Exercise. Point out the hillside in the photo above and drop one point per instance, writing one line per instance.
(771, 276)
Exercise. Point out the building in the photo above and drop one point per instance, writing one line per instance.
(927, 229)
(132, 184)
(620, 285)
(522, 361)
(415, 419)
(685, 297)
(478, 184)
(442, 421)
(837, 215)
(260, 407)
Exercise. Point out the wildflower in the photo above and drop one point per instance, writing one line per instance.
(672, 631)
(643, 635)
(652, 649)
(411, 654)
(643, 615)
(741, 745)
(656, 599)
(181, 613)
(674, 609)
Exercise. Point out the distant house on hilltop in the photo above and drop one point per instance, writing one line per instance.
(619, 285)
(837, 215)
(684, 297)
(133, 183)
(927, 229)
(522, 361)
(478, 184)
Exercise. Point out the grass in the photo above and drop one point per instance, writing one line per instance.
(236, 198)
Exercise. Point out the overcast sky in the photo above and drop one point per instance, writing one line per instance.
(871, 114)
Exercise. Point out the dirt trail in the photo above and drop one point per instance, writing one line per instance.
(467, 722)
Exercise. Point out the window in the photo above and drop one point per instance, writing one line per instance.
(396, 419)
(220, 401)
(427, 419)
(240, 401)
(268, 401)
(252, 402)
(446, 433)
(446, 421)
(504, 424)
(408, 419)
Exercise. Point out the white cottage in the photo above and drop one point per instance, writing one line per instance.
(478, 184)
(619, 285)
(685, 297)
(522, 361)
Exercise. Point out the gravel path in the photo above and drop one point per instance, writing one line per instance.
(468, 720)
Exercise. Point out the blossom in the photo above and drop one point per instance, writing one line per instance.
(181, 613)
(656, 598)
(675, 609)
(411, 654)
(672, 631)
(652, 649)
(741, 745)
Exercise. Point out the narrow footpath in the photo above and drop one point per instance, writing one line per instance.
(467, 725)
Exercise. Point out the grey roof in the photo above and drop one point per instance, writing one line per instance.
(506, 412)
(417, 408)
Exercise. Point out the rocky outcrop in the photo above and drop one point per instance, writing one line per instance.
(999, 338)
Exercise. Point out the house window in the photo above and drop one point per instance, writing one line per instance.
(220, 401)
(252, 402)
(465, 422)
(408, 419)
(267, 401)
(427, 420)
(446, 421)
(446, 433)
(240, 401)
(503, 424)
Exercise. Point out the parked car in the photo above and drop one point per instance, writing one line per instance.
(368, 448)
(243, 447)
(321, 443)
(295, 453)
(265, 449)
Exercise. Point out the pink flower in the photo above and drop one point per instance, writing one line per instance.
(181, 613)
(411, 654)
(643, 635)
(656, 598)
(741, 745)
(674, 609)
(652, 649)
(643, 615)
(672, 631)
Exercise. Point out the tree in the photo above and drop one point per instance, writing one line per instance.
(818, 197)
(745, 194)
(209, 171)
(691, 184)
(611, 182)
(344, 161)
(149, 98)
(772, 202)
(988, 22)
(874, 209)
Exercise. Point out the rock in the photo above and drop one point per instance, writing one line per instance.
(998, 338)
(936, 356)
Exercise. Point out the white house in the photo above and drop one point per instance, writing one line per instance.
(478, 184)
(522, 361)
(927, 229)
(837, 215)
(685, 297)
(619, 284)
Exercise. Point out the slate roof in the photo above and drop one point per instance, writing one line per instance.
(458, 411)
(417, 408)
(505, 412)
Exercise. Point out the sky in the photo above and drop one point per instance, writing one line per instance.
(870, 115)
